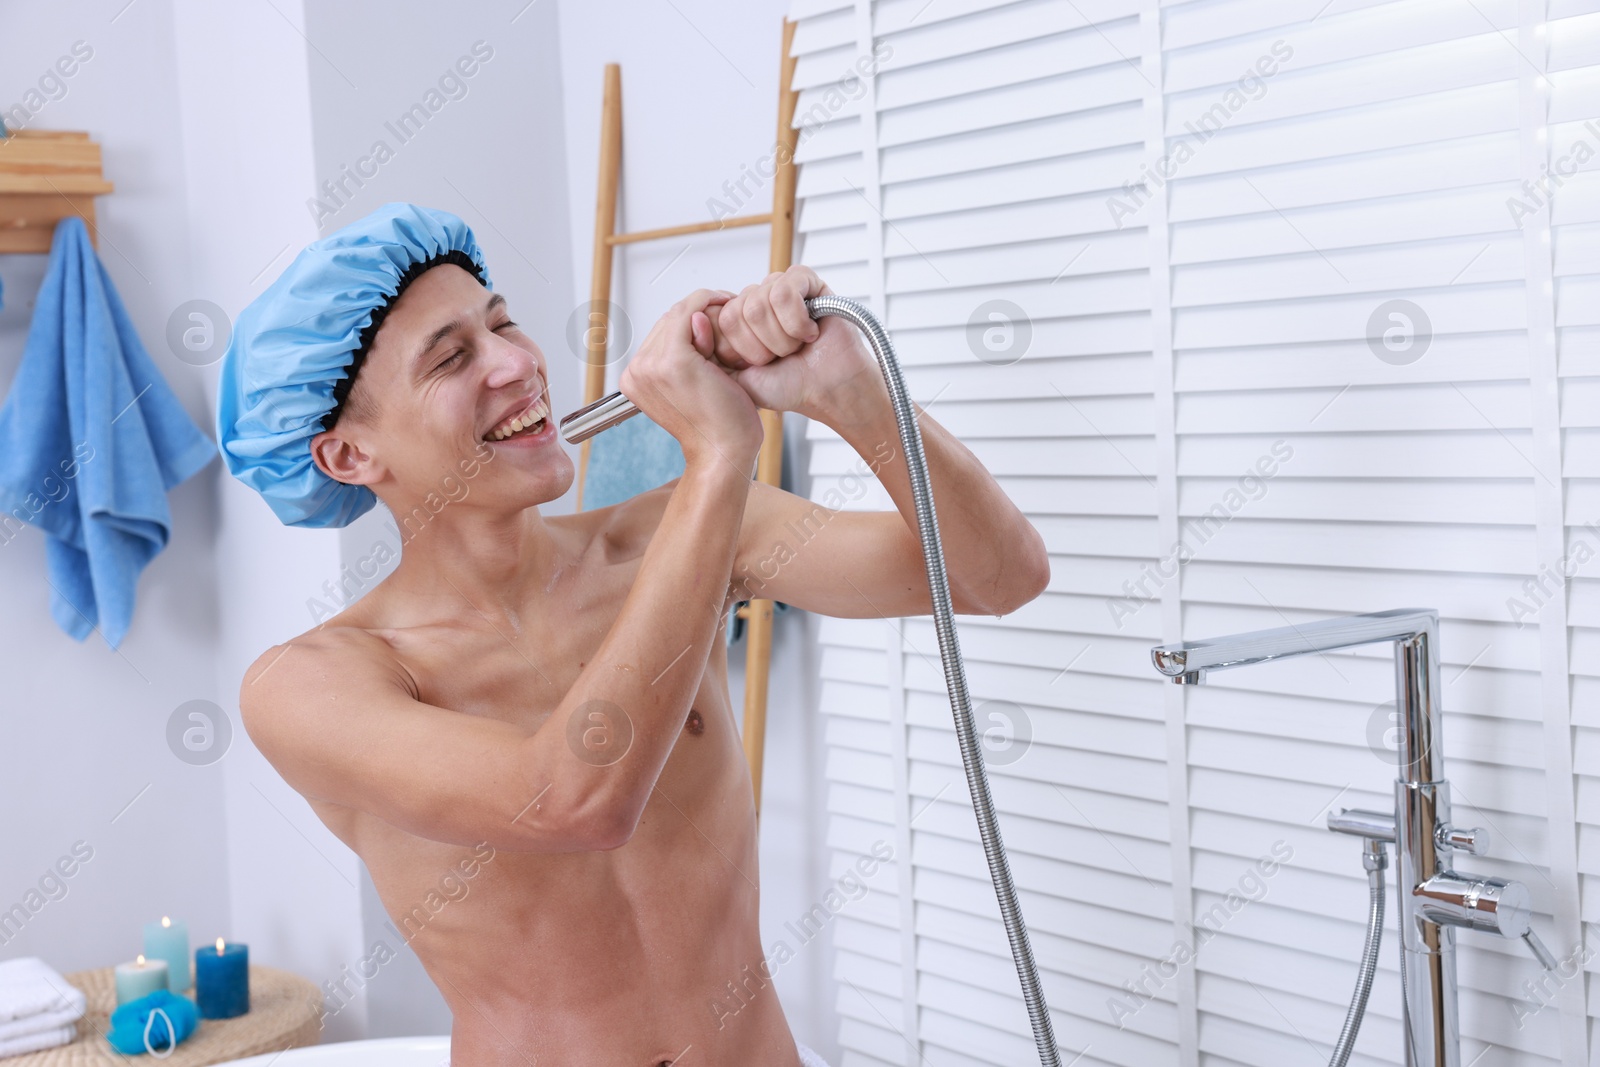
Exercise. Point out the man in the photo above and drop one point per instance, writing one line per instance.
(543, 699)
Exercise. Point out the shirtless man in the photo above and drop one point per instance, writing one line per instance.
(551, 691)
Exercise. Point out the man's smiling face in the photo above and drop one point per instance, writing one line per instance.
(449, 379)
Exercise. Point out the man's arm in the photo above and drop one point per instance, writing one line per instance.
(854, 564)
(850, 564)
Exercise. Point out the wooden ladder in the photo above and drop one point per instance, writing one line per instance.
(769, 465)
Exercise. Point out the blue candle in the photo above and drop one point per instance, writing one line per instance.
(168, 940)
(222, 980)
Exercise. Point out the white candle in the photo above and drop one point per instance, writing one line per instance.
(140, 978)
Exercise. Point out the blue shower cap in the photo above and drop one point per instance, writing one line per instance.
(296, 349)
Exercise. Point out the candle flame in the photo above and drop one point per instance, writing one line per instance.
(219, 946)
(165, 921)
(141, 959)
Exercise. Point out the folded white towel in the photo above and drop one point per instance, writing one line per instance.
(44, 1022)
(808, 1057)
(30, 986)
(61, 1035)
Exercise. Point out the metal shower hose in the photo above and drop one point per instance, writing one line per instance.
(1369, 965)
(613, 409)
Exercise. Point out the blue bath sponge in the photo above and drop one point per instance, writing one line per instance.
(160, 1013)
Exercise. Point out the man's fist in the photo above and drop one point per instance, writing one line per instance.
(673, 379)
(768, 320)
(785, 359)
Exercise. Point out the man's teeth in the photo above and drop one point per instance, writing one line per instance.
(536, 415)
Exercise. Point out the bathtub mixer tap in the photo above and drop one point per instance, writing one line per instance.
(1435, 899)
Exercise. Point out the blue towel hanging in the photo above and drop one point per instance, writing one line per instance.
(91, 440)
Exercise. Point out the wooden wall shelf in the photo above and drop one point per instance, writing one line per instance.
(45, 176)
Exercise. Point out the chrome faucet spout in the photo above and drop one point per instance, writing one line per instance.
(1413, 630)
(1324, 635)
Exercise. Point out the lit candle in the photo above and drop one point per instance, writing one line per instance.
(139, 978)
(222, 980)
(168, 940)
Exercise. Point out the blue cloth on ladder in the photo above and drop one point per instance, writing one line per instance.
(632, 457)
(91, 439)
(635, 457)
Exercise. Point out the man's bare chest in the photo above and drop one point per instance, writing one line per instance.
(516, 666)
(520, 666)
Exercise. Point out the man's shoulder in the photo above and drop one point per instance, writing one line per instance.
(631, 522)
(766, 507)
(322, 656)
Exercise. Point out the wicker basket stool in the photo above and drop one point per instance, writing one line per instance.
(285, 1012)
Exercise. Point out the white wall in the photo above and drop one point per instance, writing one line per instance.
(699, 110)
(85, 726)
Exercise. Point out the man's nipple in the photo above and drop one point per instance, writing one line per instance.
(694, 723)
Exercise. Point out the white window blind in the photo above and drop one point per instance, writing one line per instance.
(1208, 212)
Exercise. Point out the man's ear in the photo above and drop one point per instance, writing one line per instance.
(343, 460)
